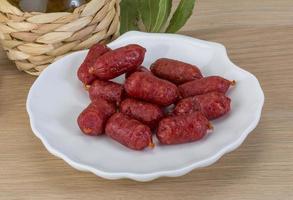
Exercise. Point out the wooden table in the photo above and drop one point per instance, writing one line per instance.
(259, 38)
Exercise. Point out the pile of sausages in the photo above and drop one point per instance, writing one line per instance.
(131, 112)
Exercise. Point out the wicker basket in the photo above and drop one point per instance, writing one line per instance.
(34, 40)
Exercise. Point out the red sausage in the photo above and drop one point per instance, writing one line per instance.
(83, 71)
(144, 112)
(205, 85)
(145, 86)
(117, 62)
(213, 105)
(183, 129)
(186, 106)
(107, 90)
(129, 132)
(139, 69)
(175, 71)
(93, 119)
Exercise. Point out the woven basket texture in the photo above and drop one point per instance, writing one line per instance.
(34, 40)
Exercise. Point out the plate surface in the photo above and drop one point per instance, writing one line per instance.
(57, 97)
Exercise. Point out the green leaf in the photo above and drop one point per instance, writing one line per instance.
(181, 15)
(154, 13)
(128, 16)
(163, 8)
(146, 11)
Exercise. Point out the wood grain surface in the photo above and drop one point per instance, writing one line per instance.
(259, 38)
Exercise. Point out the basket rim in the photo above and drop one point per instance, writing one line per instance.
(21, 12)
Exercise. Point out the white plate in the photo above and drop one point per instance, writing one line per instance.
(57, 97)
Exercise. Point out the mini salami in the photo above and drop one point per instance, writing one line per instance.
(145, 86)
(118, 61)
(183, 129)
(205, 85)
(93, 119)
(186, 106)
(139, 69)
(129, 132)
(213, 105)
(107, 90)
(83, 71)
(144, 112)
(175, 71)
